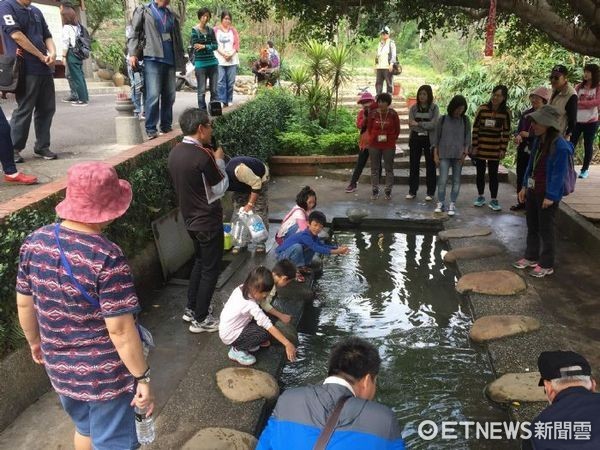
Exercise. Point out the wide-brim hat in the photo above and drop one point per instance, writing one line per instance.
(562, 364)
(547, 115)
(365, 97)
(95, 194)
(542, 92)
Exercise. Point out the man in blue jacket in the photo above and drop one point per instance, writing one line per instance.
(301, 413)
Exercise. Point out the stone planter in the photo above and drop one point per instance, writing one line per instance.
(105, 74)
(308, 165)
(119, 79)
(124, 107)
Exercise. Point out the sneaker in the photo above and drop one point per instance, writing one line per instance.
(69, 99)
(524, 263)
(254, 349)
(204, 326)
(409, 196)
(375, 194)
(494, 205)
(260, 248)
(188, 315)
(584, 174)
(151, 135)
(168, 130)
(45, 154)
(451, 209)
(479, 201)
(79, 103)
(388, 195)
(517, 207)
(241, 357)
(540, 272)
(20, 178)
(350, 188)
(439, 207)
(428, 198)
(18, 158)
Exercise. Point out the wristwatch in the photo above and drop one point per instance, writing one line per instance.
(144, 378)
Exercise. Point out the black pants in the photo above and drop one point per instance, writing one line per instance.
(208, 248)
(522, 161)
(589, 133)
(37, 94)
(540, 230)
(7, 156)
(381, 76)
(419, 145)
(361, 162)
(252, 336)
(492, 167)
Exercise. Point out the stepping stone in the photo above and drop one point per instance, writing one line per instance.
(476, 252)
(456, 233)
(242, 384)
(488, 328)
(494, 282)
(520, 387)
(288, 330)
(356, 215)
(220, 439)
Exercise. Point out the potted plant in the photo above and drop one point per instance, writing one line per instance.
(113, 56)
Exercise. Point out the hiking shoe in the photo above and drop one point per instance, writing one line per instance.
(388, 195)
(18, 158)
(584, 174)
(350, 188)
(241, 357)
(495, 206)
(45, 154)
(428, 198)
(409, 196)
(479, 201)
(204, 326)
(79, 103)
(439, 207)
(451, 209)
(540, 272)
(524, 263)
(188, 315)
(517, 207)
(375, 194)
(20, 178)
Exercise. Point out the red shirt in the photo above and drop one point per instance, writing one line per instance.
(383, 124)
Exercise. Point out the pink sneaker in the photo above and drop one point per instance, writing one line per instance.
(540, 272)
(524, 263)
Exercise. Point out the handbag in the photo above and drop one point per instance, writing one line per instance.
(330, 425)
(11, 70)
(145, 335)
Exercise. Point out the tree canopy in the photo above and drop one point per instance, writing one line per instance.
(574, 24)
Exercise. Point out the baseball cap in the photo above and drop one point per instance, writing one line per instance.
(385, 30)
(562, 364)
(560, 69)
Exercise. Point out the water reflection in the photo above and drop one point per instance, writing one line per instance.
(394, 290)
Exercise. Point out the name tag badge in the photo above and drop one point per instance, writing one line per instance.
(422, 133)
(530, 183)
(490, 123)
(166, 36)
(382, 138)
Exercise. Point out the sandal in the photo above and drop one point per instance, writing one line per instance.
(299, 277)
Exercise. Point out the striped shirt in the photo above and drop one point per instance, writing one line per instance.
(79, 356)
(491, 132)
(205, 57)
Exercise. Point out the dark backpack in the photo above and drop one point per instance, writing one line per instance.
(83, 43)
(570, 176)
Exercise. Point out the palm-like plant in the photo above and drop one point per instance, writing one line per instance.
(316, 53)
(299, 77)
(338, 58)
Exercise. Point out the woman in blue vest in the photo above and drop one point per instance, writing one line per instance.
(248, 180)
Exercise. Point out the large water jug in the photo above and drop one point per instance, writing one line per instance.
(255, 224)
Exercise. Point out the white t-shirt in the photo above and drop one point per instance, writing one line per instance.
(590, 114)
(225, 41)
(69, 35)
(237, 313)
(383, 54)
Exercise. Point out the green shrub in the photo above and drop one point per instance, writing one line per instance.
(338, 143)
(296, 143)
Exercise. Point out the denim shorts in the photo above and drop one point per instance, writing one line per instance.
(110, 424)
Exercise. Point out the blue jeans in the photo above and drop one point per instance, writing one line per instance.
(7, 154)
(226, 82)
(589, 133)
(136, 79)
(159, 81)
(445, 164)
(301, 256)
(212, 74)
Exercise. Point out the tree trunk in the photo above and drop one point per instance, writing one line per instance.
(129, 7)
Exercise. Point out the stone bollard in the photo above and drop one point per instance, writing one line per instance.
(129, 131)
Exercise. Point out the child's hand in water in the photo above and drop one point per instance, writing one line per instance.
(290, 351)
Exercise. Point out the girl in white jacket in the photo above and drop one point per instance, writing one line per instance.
(243, 323)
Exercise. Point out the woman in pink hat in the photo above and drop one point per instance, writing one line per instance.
(538, 98)
(367, 101)
(76, 302)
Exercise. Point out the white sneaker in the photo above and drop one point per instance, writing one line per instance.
(208, 325)
(241, 357)
(409, 196)
(451, 209)
(439, 207)
(428, 198)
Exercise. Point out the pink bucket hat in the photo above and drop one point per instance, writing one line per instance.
(542, 92)
(94, 194)
(365, 97)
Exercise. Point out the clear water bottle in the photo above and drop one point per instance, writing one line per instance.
(144, 427)
(256, 226)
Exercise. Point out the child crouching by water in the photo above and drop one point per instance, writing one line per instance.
(244, 325)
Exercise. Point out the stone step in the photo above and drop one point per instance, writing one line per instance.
(521, 387)
(401, 175)
(460, 233)
(492, 282)
(488, 328)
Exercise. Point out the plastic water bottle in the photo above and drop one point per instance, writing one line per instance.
(144, 427)
(255, 224)
(238, 233)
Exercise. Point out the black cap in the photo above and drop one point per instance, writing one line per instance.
(560, 69)
(561, 364)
